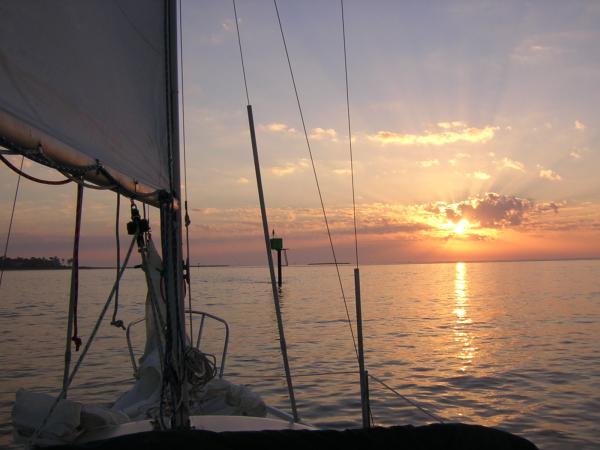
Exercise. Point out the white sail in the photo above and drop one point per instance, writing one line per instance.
(87, 80)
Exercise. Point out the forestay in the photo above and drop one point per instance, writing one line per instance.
(87, 80)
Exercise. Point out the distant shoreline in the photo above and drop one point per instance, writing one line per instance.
(200, 266)
(327, 264)
(9, 269)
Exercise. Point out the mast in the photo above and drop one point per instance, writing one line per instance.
(171, 238)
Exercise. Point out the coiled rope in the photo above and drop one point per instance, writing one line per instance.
(201, 367)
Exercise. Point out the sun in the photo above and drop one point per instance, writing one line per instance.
(461, 227)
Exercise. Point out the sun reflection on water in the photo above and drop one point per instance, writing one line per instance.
(462, 335)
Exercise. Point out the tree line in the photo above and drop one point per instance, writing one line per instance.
(52, 262)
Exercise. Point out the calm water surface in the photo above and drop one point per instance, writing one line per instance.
(509, 345)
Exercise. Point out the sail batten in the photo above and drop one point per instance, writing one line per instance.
(86, 80)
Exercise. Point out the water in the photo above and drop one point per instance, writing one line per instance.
(509, 345)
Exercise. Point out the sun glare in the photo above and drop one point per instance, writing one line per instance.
(460, 227)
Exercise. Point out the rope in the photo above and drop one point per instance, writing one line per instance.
(187, 216)
(31, 177)
(114, 322)
(349, 133)
(75, 267)
(201, 367)
(72, 329)
(10, 223)
(407, 400)
(86, 348)
(316, 179)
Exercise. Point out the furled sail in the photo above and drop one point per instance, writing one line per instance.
(87, 82)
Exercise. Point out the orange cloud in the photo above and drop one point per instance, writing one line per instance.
(575, 154)
(447, 134)
(323, 133)
(508, 163)
(549, 174)
(289, 168)
(276, 127)
(481, 175)
(429, 163)
(494, 226)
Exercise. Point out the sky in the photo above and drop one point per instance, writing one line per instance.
(475, 136)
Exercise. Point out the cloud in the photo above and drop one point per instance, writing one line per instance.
(218, 37)
(579, 126)
(317, 134)
(242, 180)
(276, 127)
(549, 174)
(341, 171)
(229, 25)
(462, 155)
(446, 134)
(508, 163)
(429, 163)
(323, 133)
(490, 211)
(283, 171)
(449, 125)
(532, 51)
(575, 154)
(481, 175)
(206, 211)
(289, 168)
(488, 215)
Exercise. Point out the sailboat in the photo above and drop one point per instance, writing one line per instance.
(91, 89)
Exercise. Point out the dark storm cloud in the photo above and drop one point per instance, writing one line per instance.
(496, 211)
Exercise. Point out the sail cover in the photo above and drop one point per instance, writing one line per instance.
(89, 77)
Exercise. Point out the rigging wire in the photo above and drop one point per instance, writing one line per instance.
(10, 223)
(316, 178)
(187, 216)
(237, 27)
(263, 211)
(407, 400)
(357, 275)
(349, 133)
